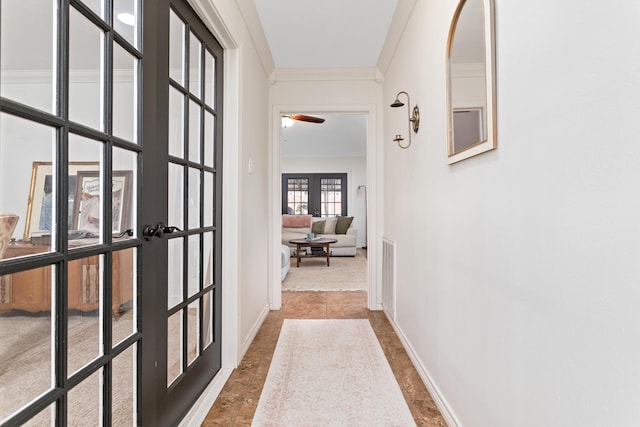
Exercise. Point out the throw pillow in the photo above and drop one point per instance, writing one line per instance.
(317, 227)
(343, 224)
(296, 221)
(330, 225)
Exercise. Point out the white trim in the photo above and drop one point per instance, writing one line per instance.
(374, 199)
(274, 232)
(325, 74)
(256, 32)
(212, 18)
(75, 76)
(396, 29)
(434, 391)
(201, 408)
(254, 331)
(230, 212)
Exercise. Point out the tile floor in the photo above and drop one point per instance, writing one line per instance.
(238, 400)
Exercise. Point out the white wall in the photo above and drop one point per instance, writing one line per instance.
(254, 198)
(356, 170)
(518, 273)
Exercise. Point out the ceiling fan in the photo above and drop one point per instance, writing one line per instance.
(300, 118)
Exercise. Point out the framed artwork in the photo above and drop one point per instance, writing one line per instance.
(39, 217)
(87, 208)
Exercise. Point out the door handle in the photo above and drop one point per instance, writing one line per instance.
(158, 230)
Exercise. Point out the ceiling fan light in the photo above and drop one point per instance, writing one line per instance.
(287, 122)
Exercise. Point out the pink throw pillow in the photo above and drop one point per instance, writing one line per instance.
(296, 221)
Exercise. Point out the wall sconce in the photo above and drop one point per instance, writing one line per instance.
(414, 117)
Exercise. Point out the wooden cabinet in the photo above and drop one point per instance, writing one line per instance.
(31, 290)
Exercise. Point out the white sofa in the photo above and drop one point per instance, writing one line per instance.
(285, 261)
(345, 245)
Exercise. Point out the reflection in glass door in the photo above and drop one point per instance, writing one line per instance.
(69, 151)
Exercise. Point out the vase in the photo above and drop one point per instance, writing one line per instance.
(8, 222)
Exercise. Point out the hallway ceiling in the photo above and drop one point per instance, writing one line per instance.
(325, 34)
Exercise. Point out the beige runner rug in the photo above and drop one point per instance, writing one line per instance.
(330, 373)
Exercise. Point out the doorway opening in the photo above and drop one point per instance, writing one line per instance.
(323, 171)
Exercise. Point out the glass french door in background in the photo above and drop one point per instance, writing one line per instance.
(318, 194)
(98, 139)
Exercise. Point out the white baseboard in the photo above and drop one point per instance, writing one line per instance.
(253, 332)
(199, 411)
(437, 396)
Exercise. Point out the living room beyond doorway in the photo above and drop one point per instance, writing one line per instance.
(332, 156)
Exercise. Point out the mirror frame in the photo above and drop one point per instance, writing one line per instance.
(490, 142)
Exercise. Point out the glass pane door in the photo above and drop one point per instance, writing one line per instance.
(69, 155)
(191, 288)
(189, 312)
(79, 279)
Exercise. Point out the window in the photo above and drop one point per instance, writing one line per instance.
(297, 196)
(319, 194)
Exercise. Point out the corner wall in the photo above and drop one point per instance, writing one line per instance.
(518, 274)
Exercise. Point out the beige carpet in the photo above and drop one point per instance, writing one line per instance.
(330, 372)
(343, 274)
(26, 368)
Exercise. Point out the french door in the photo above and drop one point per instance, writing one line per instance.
(110, 209)
(183, 218)
(318, 194)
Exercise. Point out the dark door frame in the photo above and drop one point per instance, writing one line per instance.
(167, 406)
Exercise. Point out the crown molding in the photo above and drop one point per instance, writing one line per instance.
(212, 18)
(252, 21)
(325, 74)
(75, 76)
(396, 29)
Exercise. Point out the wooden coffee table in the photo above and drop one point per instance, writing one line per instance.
(303, 243)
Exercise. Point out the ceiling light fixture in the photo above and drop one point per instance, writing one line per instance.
(413, 118)
(287, 122)
(126, 18)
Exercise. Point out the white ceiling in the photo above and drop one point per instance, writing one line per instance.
(341, 135)
(325, 33)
